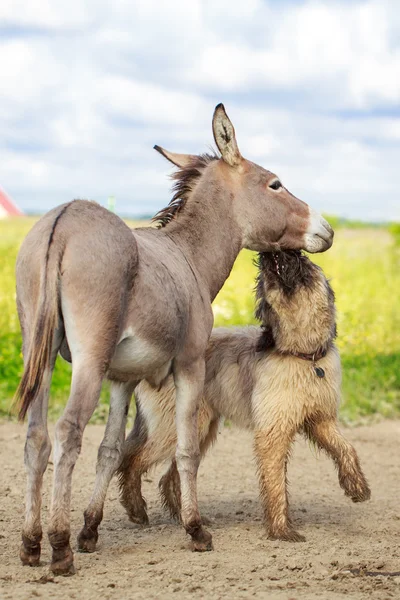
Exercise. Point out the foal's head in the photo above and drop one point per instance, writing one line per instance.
(295, 302)
(266, 215)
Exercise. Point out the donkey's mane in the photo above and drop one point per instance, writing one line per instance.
(185, 179)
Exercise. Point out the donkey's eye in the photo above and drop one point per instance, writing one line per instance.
(275, 185)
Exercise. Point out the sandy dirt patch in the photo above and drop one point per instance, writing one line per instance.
(343, 539)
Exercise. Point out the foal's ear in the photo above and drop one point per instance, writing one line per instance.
(224, 136)
(179, 160)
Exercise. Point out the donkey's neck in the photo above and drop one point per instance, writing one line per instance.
(302, 335)
(207, 233)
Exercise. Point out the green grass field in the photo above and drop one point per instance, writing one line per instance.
(364, 268)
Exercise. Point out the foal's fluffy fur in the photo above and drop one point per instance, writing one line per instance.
(260, 379)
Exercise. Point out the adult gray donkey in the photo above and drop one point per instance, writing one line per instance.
(131, 306)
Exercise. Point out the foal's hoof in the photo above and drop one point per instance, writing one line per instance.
(138, 519)
(359, 493)
(64, 566)
(136, 510)
(202, 541)
(286, 535)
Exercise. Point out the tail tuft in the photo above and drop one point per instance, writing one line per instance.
(39, 347)
(38, 361)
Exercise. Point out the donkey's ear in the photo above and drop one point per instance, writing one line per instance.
(224, 136)
(179, 160)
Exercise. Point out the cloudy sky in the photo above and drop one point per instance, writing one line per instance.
(89, 86)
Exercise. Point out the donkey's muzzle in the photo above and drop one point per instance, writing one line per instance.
(319, 234)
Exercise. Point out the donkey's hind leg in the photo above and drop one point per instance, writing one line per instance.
(86, 383)
(37, 452)
(108, 460)
(351, 478)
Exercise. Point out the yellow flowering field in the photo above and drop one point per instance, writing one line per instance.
(364, 268)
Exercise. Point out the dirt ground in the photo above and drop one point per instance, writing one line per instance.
(345, 542)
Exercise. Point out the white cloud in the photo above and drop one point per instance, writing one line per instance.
(313, 88)
(337, 52)
(43, 13)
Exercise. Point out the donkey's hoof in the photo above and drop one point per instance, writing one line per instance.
(287, 535)
(87, 544)
(30, 552)
(202, 542)
(64, 566)
(30, 559)
(87, 541)
(63, 561)
(202, 546)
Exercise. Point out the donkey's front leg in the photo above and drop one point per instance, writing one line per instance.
(169, 485)
(85, 392)
(108, 460)
(351, 478)
(189, 382)
(271, 448)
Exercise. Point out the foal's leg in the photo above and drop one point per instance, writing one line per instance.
(272, 448)
(131, 494)
(351, 477)
(37, 452)
(134, 465)
(169, 485)
(108, 460)
(189, 382)
(85, 391)
(170, 491)
(143, 450)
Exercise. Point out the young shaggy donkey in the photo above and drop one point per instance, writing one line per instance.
(275, 381)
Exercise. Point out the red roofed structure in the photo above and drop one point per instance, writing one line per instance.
(7, 206)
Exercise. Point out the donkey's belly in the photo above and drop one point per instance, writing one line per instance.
(137, 359)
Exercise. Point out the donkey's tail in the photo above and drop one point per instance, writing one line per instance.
(39, 346)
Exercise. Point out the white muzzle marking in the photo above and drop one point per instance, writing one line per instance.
(319, 235)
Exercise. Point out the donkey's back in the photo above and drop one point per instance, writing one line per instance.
(75, 270)
(110, 298)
